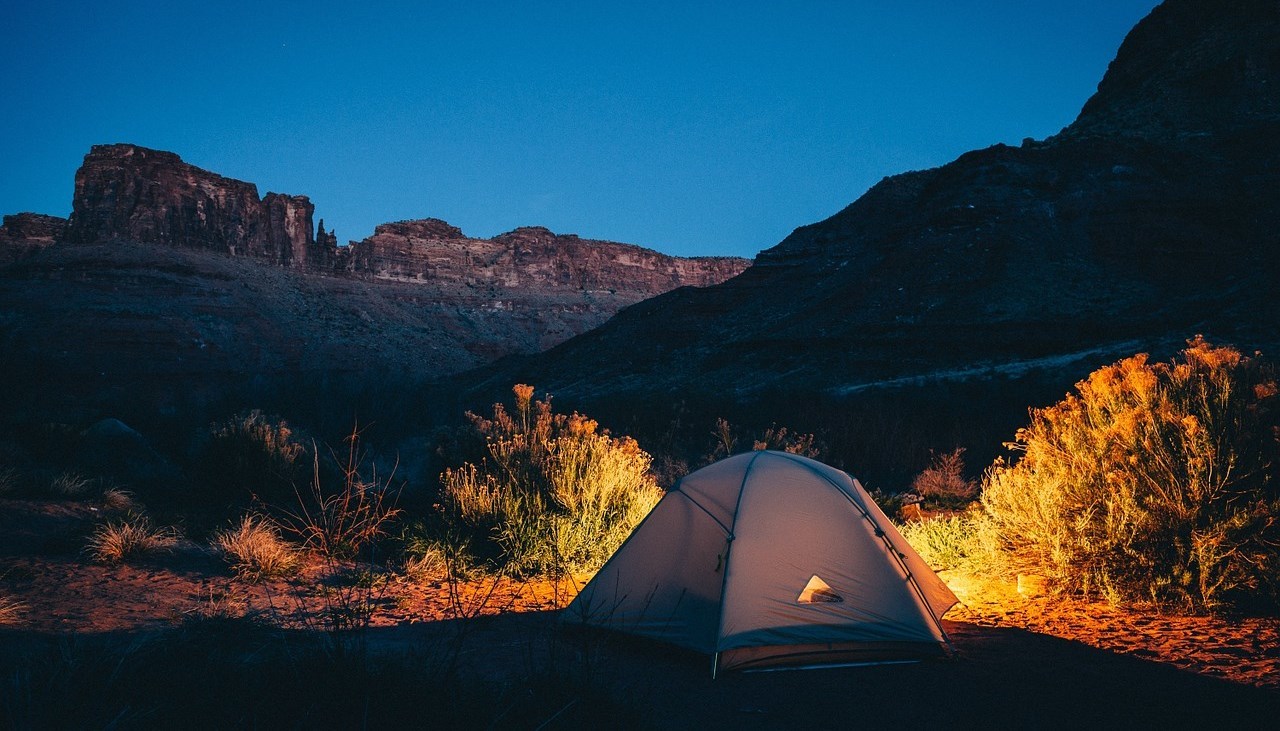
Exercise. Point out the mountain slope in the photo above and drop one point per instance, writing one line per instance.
(1155, 215)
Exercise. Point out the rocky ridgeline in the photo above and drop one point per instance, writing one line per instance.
(528, 258)
(129, 193)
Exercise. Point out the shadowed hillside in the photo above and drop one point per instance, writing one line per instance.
(1152, 217)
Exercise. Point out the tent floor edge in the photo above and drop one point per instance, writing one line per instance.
(828, 654)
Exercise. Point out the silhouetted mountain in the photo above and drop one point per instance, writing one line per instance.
(1154, 216)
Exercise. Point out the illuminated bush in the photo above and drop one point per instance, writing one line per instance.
(553, 493)
(1151, 482)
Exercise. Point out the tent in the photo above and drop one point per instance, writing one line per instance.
(768, 558)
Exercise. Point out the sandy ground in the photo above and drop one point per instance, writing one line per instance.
(1018, 661)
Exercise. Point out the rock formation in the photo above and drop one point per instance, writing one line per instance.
(131, 193)
(126, 192)
(531, 259)
(26, 233)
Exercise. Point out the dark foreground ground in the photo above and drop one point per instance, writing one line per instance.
(524, 671)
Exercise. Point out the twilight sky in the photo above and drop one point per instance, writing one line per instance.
(693, 128)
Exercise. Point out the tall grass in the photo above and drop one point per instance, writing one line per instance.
(554, 493)
(1153, 481)
(342, 520)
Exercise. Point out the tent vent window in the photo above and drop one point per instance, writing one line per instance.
(818, 591)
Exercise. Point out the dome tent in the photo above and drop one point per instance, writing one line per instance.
(768, 558)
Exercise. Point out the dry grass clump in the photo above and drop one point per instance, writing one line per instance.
(1154, 481)
(71, 485)
(255, 549)
(117, 541)
(423, 558)
(962, 543)
(554, 492)
(10, 609)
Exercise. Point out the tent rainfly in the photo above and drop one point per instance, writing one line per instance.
(768, 558)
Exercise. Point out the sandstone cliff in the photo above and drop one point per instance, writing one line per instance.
(126, 192)
(131, 193)
(529, 259)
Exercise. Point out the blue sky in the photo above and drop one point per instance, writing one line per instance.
(694, 128)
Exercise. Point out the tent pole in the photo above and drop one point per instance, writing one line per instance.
(715, 664)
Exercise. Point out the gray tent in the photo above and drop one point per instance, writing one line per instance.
(768, 558)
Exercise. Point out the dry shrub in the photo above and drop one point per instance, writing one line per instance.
(1154, 481)
(120, 540)
(116, 500)
(777, 438)
(554, 493)
(943, 482)
(781, 439)
(341, 521)
(255, 549)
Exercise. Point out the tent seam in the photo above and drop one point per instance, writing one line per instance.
(724, 582)
(727, 530)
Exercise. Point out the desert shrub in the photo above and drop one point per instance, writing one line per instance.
(781, 439)
(943, 483)
(1153, 481)
(554, 492)
(726, 438)
(248, 459)
(118, 541)
(255, 550)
